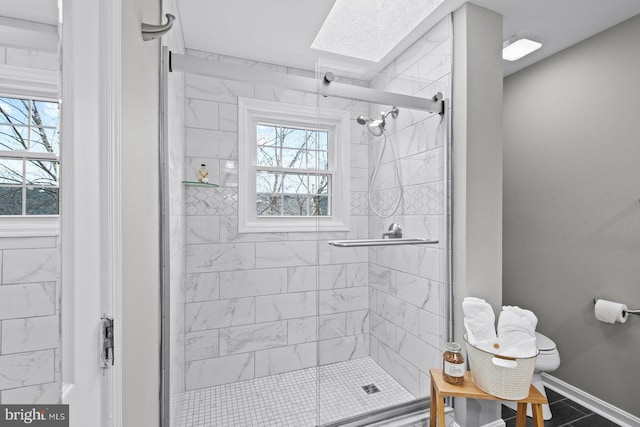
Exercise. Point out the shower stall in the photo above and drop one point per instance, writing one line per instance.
(307, 282)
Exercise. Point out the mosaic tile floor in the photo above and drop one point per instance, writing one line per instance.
(290, 399)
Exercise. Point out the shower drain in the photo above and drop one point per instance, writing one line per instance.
(370, 389)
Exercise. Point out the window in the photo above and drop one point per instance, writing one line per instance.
(29, 149)
(293, 167)
(292, 176)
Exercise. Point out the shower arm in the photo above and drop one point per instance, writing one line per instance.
(393, 111)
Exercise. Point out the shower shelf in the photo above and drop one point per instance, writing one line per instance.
(199, 184)
(380, 242)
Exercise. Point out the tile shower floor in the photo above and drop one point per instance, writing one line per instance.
(290, 399)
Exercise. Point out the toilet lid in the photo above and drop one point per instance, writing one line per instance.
(544, 343)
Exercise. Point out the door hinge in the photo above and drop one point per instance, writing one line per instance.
(107, 342)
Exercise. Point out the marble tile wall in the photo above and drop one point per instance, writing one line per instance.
(252, 300)
(408, 295)
(29, 290)
(30, 320)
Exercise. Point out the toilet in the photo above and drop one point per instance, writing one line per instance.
(548, 361)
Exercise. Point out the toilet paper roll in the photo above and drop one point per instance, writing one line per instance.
(610, 312)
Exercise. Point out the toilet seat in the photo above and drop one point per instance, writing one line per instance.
(544, 343)
(549, 359)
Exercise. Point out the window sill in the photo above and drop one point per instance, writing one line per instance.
(293, 224)
(30, 226)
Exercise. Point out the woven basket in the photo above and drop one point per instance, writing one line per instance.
(505, 377)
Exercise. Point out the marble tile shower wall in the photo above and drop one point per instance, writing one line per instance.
(408, 296)
(29, 320)
(252, 299)
(29, 292)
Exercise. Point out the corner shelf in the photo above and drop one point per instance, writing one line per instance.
(199, 184)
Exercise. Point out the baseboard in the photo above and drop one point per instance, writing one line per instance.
(591, 402)
(496, 423)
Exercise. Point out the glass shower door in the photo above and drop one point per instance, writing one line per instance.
(275, 326)
(382, 309)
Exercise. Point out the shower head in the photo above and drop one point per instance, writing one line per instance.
(376, 127)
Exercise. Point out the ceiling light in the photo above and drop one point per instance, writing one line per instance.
(519, 48)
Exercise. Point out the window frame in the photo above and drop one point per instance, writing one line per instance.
(251, 113)
(20, 82)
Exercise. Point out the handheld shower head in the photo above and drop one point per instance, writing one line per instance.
(376, 127)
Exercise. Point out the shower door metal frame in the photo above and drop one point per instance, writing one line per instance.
(165, 249)
(326, 87)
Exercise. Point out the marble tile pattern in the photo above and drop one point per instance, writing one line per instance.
(271, 298)
(251, 299)
(407, 299)
(30, 289)
(300, 398)
(30, 321)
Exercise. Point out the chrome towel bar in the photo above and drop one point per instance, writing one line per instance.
(380, 242)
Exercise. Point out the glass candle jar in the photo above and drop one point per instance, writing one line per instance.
(453, 364)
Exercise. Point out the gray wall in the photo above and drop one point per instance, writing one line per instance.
(140, 217)
(571, 208)
(477, 175)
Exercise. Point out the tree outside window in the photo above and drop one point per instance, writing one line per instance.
(293, 168)
(29, 149)
(292, 176)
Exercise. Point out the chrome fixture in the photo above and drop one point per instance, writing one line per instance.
(376, 127)
(329, 77)
(150, 32)
(627, 311)
(381, 242)
(395, 232)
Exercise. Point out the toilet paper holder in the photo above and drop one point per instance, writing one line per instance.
(595, 300)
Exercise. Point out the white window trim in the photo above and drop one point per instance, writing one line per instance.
(29, 83)
(250, 113)
(29, 226)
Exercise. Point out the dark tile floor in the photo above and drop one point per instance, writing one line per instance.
(566, 413)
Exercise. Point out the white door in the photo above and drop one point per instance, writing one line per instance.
(89, 209)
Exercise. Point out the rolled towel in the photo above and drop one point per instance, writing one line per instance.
(517, 332)
(479, 321)
(523, 348)
(527, 315)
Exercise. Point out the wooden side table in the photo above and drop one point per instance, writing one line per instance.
(440, 389)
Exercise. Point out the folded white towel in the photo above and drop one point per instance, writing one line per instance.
(517, 332)
(479, 321)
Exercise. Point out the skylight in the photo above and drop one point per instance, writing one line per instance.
(370, 29)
